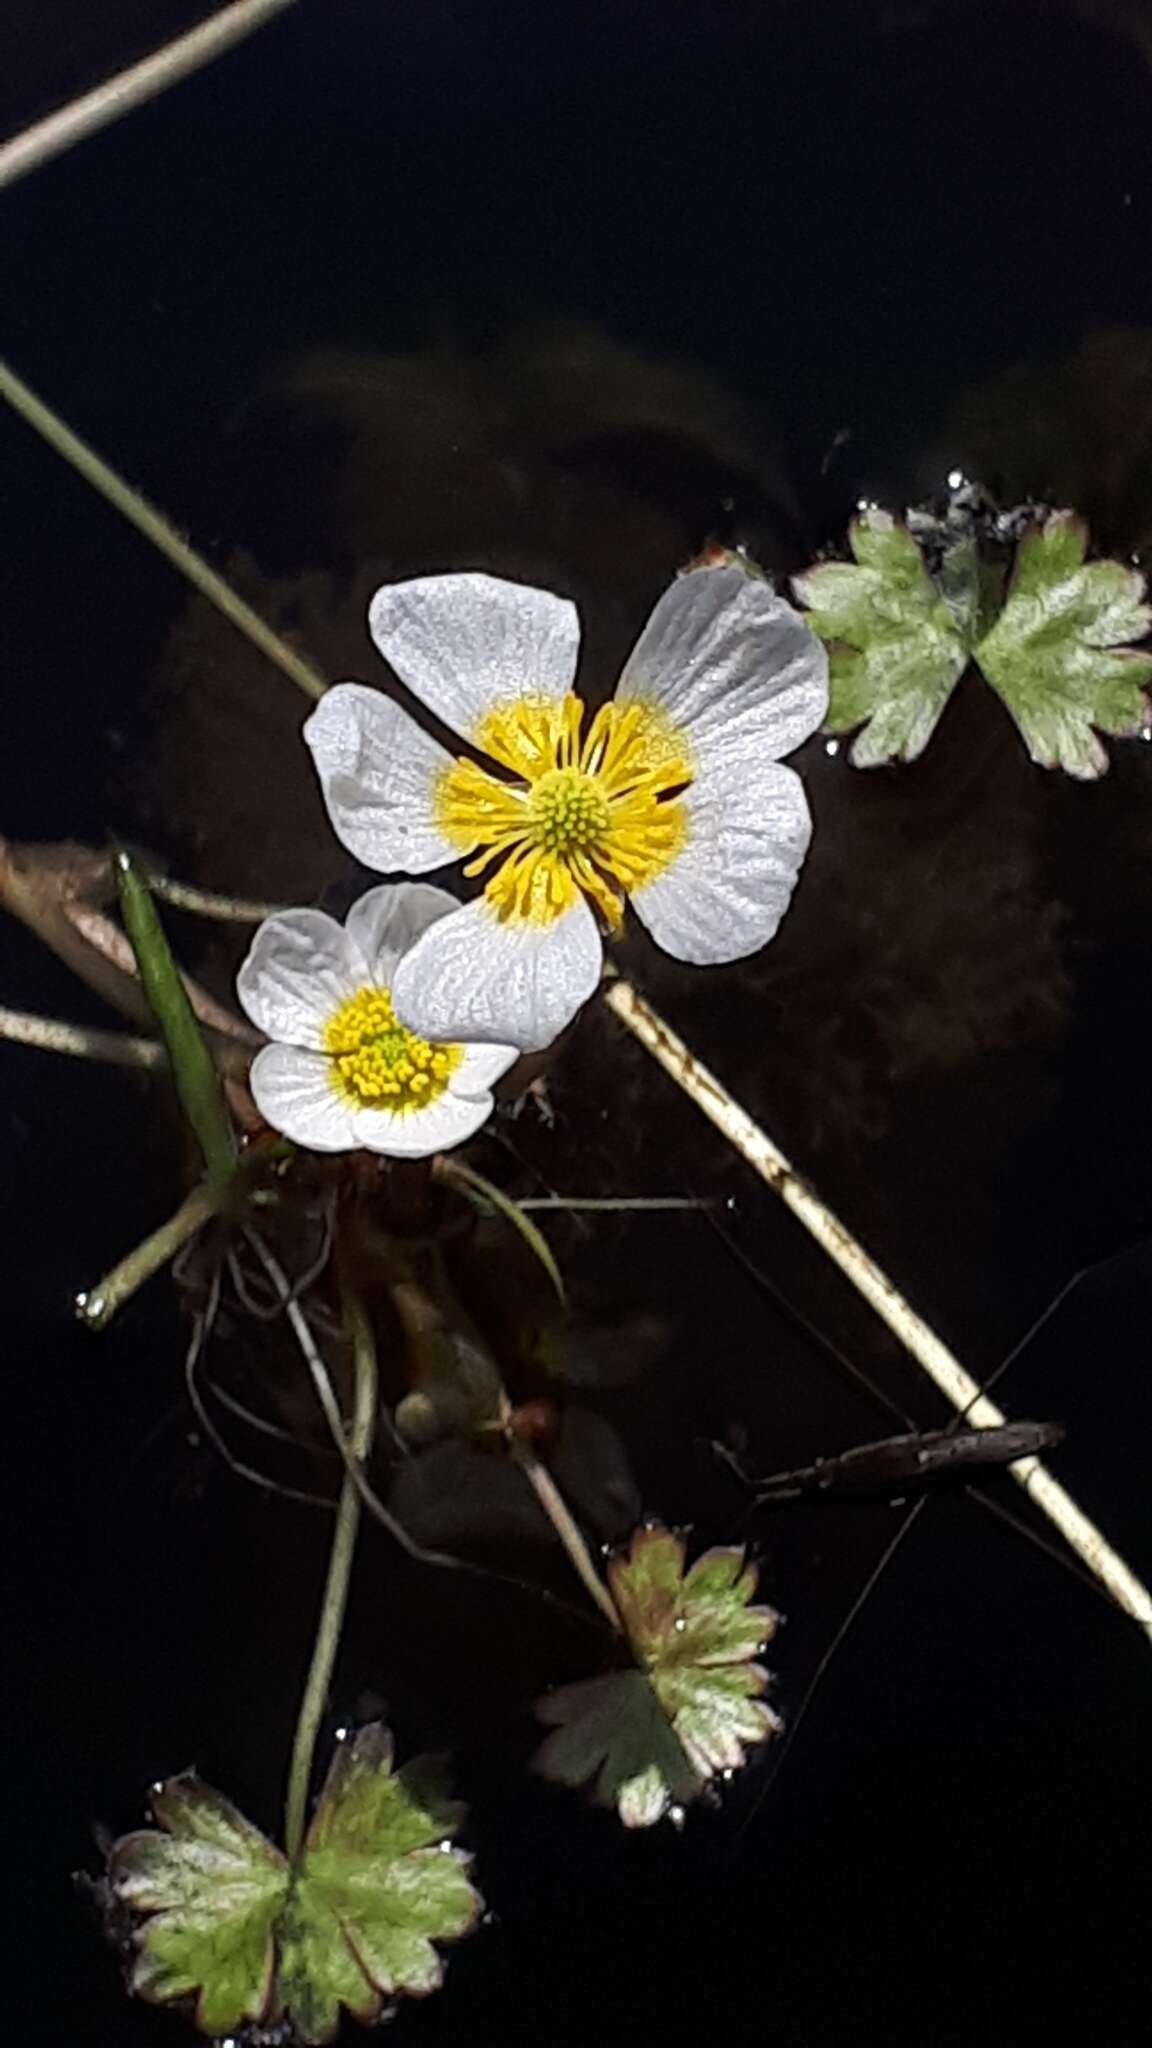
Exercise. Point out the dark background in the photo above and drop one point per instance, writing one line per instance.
(849, 220)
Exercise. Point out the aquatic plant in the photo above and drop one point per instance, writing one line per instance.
(922, 600)
(331, 1205)
(328, 1205)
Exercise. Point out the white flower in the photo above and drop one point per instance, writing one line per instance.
(673, 796)
(341, 1072)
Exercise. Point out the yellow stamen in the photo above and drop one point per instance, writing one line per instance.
(376, 1064)
(596, 815)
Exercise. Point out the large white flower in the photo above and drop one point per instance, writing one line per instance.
(673, 795)
(341, 1072)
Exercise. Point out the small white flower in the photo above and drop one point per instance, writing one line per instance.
(342, 1073)
(673, 796)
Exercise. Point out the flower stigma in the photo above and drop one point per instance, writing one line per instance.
(376, 1063)
(597, 814)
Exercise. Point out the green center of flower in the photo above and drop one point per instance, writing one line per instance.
(595, 813)
(569, 811)
(376, 1063)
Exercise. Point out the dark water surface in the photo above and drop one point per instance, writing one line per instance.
(563, 293)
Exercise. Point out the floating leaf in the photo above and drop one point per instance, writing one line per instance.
(897, 648)
(1058, 653)
(648, 1739)
(193, 1068)
(226, 1920)
(214, 1888)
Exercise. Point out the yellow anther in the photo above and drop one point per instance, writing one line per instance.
(599, 814)
(376, 1064)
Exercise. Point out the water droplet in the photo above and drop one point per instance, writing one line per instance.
(676, 1816)
(728, 1775)
(832, 747)
(342, 1734)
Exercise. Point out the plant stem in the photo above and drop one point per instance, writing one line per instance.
(153, 525)
(106, 103)
(207, 902)
(869, 1280)
(466, 1177)
(556, 1508)
(331, 1622)
(99, 1304)
(611, 1204)
(51, 1034)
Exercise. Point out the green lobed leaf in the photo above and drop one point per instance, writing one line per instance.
(193, 1068)
(213, 1888)
(1058, 653)
(226, 1921)
(896, 647)
(648, 1739)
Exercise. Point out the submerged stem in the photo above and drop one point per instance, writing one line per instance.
(556, 1508)
(450, 1169)
(156, 528)
(869, 1280)
(332, 1607)
(52, 1034)
(97, 1305)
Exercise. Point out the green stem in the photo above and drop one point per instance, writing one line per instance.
(97, 1305)
(163, 535)
(331, 1622)
(467, 1178)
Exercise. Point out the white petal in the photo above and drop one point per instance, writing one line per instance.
(475, 979)
(464, 643)
(725, 894)
(293, 1091)
(384, 922)
(417, 1133)
(301, 966)
(377, 771)
(722, 650)
(481, 1067)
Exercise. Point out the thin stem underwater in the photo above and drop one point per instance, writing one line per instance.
(160, 531)
(335, 1600)
(97, 1305)
(946, 1371)
(134, 87)
(52, 1034)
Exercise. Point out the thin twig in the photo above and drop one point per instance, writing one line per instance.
(129, 89)
(51, 1034)
(946, 1371)
(335, 1598)
(163, 535)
